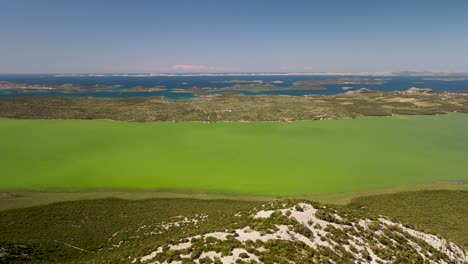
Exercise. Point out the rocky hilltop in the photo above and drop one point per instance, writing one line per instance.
(215, 231)
(305, 232)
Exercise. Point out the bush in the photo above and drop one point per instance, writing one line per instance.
(243, 255)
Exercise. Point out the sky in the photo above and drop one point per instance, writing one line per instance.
(90, 36)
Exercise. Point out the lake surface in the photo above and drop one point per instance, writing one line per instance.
(264, 158)
(184, 82)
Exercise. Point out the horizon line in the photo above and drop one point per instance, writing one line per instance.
(170, 73)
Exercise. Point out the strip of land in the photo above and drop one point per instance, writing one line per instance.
(233, 107)
(22, 198)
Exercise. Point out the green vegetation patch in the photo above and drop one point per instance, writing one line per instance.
(166, 230)
(440, 212)
(297, 158)
(97, 231)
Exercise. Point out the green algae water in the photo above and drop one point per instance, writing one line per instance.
(298, 158)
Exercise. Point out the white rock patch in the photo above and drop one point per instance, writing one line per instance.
(306, 216)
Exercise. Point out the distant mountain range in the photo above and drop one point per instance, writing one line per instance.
(402, 73)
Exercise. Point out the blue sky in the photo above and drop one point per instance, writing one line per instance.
(86, 36)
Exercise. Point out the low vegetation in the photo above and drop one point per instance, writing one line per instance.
(220, 231)
(92, 231)
(440, 212)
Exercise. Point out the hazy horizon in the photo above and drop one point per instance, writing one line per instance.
(102, 37)
(252, 73)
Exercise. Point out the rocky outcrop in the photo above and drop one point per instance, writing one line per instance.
(418, 91)
(308, 232)
(360, 91)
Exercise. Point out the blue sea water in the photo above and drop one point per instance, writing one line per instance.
(393, 83)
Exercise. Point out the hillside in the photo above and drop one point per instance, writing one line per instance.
(447, 214)
(197, 231)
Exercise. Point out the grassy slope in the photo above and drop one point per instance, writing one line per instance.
(98, 224)
(244, 158)
(441, 212)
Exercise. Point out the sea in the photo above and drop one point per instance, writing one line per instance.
(171, 82)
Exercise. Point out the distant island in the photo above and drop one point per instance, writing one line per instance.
(446, 79)
(238, 81)
(383, 74)
(239, 85)
(71, 88)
